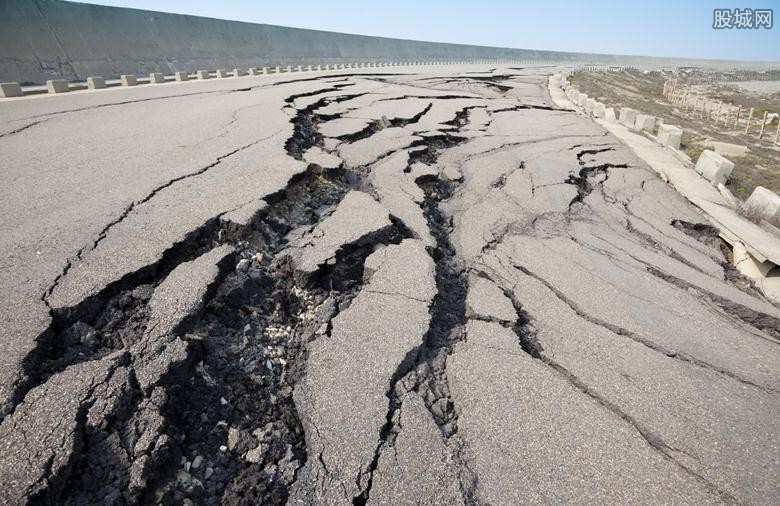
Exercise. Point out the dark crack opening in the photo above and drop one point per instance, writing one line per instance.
(424, 370)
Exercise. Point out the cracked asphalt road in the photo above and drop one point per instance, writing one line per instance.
(365, 288)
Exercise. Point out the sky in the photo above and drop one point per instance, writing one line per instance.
(681, 28)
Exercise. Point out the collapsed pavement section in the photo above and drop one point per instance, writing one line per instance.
(371, 289)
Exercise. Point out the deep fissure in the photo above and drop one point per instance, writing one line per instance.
(425, 370)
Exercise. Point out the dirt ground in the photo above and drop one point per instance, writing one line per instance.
(643, 91)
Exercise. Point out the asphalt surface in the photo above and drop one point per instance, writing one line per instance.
(382, 288)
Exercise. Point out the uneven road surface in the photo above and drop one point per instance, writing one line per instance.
(366, 288)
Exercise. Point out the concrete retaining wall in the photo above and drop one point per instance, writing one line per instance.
(46, 39)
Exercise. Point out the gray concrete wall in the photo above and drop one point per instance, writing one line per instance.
(45, 39)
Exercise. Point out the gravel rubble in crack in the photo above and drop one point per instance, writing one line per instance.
(230, 429)
(236, 416)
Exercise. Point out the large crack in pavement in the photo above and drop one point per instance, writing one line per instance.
(600, 173)
(108, 321)
(425, 372)
(117, 320)
(253, 337)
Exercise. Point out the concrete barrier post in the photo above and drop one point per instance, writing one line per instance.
(645, 122)
(670, 135)
(156, 78)
(8, 90)
(238, 72)
(628, 116)
(181, 76)
(222, 73)
(278, 70)
(253, 71)
(96, 83)
(57, 86)
(203, 74)
(265, 70)
(289, 68)
(763, 203)
(714, 167)
(128, 80)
